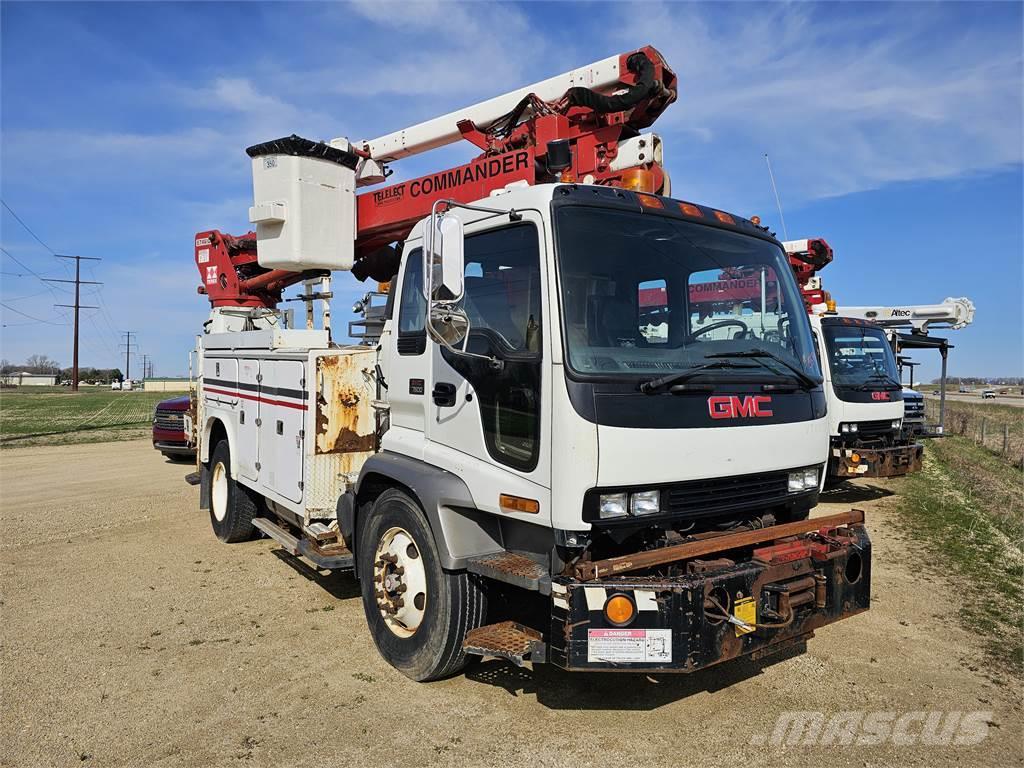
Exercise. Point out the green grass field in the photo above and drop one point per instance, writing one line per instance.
(966, 506)
(57, 416)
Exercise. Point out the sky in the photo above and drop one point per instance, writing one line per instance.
(894, 131)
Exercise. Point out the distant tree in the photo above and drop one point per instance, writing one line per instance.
(41, 364)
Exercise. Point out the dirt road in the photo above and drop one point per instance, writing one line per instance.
(131, 637)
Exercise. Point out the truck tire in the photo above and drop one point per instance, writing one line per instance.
(417, 612)
(232, 506)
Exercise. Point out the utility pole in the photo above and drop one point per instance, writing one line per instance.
(76, 306)
(145, 366)
(127, 354)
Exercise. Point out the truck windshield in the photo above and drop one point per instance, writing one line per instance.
(645, 294)
(860, 357)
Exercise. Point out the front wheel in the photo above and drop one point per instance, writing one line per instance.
(232, 506)
(417, 612)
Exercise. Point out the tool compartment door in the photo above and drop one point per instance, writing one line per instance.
(248, 442)
(282, 419)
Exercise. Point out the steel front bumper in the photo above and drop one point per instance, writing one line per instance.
(851, 462)
(774, 601)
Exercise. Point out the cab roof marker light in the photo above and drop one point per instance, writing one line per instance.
(725, 218)
(690, 209)
(649, 201)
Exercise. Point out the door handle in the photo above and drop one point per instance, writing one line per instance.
(444, 394)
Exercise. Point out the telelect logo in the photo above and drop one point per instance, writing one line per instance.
(736, 407)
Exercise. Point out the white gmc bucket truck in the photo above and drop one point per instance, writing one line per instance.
(516, 467)
(855, 345)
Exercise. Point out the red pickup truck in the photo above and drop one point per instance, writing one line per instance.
(169, 436)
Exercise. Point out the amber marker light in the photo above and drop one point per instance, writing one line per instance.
(619, 610)
(509, 503)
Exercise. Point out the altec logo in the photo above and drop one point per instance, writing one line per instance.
(880, 396)
(735, 407)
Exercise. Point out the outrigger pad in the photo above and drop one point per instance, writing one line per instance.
(296, 146)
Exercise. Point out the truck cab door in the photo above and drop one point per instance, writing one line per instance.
(491, 425)
(408, 362)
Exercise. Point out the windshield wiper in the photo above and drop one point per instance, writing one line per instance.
(810, 382)
(879, 376)
(649, 387)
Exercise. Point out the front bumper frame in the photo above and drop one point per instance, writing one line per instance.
(674, 630)
(897, 461)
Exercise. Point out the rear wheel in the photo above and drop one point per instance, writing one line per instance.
(417, 612)
(232, 506)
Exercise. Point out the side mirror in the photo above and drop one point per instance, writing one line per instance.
(445, 258)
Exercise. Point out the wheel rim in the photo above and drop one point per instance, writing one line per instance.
(219, 490)
(400, 582)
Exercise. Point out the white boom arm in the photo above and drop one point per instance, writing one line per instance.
(423, 137)
(951, 313)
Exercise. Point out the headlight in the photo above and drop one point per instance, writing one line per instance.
(613, 505)
(848, 427)
(897, 423)
(645, 503)
(802, 480)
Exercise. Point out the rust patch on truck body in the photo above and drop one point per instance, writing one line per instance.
(345, 389)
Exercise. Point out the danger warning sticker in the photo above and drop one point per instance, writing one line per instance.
(629, 645)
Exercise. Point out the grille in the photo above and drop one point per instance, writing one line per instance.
(172, 420)
(913, 406)
(872, 428)
(708, 497)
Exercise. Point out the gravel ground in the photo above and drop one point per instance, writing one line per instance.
(131, 637)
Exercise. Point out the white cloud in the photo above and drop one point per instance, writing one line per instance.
(842, 104)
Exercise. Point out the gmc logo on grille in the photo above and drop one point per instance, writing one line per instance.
(879, 395)
(735, 407)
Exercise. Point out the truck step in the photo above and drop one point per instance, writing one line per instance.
(506, 640)
(278, 534)
(512, 568)
(331, 557)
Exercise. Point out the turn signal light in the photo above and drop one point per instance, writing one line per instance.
(638, 180)
(509, 503)
(855, 458)
(619, 610)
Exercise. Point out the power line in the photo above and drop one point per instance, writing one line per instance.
(27, 227)
(21, 264)
(37, 319)
(77, 306)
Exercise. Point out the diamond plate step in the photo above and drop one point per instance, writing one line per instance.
(514, 569)
(506, 640)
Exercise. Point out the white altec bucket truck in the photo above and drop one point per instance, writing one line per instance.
(866, 408)
(907, 327)
(517, 468)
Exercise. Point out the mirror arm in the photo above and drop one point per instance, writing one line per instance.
(493, 362)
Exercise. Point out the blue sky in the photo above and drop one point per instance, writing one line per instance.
(894, 131)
